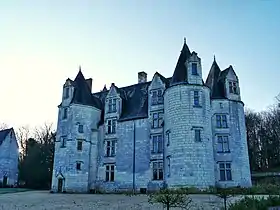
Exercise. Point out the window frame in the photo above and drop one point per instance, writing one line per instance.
(158, 119)
(109, 172)
(112, 105)
(157, 144)
(223, 140)
(110, 147)
(233, 89)
(196, 98)
(80, 128)
(111, 126)
(197, 135)
(79, 145)
(65, 113)
(158, 170)
(225, 172)
(157, 97)
(221, 121)
(167, 134)
(168, 160)
(78, 166)
(63, 141)
(194, 70)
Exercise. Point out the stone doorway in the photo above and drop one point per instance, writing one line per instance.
(59, 185)
(5, 181)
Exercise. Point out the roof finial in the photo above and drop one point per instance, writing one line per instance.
(185, 40)
(80, 69)
(214, 58)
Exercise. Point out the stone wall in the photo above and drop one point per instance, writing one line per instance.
(236, 131)
(124, 158)
(9, 159)
(66, 158)
(191, 162)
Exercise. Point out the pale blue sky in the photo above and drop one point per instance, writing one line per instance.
(42, 43)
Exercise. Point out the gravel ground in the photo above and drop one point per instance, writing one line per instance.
(41, 200)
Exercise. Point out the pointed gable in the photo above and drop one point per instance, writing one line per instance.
(82, 93)
(180, 73)
(213, 81)
(3, 134)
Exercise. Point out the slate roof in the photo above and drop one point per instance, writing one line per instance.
(135, 97)
(82, 92)
(216, 81)
(180, 72)
(3, 134)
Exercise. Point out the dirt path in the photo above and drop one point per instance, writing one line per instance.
(43, 200)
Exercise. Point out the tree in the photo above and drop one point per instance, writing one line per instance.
(3, 126)
(37, 163)
(225, 194)
(171, 198)
(23, 134)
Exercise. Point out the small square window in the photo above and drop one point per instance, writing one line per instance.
(78, 166)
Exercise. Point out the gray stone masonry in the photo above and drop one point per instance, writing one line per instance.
(172, 139)
(9, 159)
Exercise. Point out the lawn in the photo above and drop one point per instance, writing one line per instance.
(12, 190)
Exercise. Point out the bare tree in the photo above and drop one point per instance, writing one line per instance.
(23, 134)
(3, 126)
(44, 133)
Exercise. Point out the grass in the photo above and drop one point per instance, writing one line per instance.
(12, 190)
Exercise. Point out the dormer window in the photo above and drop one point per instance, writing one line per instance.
(233, 87)
(157, 97)
(112, 105)
(66, 93)
(194, 69)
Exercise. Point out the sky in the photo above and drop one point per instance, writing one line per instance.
(42, 43)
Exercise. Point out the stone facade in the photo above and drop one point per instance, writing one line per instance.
(168, 132)
(9, 156)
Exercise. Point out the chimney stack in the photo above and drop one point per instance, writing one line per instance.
(142, 77)
(89, 82)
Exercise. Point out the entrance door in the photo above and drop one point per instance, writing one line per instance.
(5, 181)
(59, 185)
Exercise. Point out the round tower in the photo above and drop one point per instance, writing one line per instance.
(187, 125)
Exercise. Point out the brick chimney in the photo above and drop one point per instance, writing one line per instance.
(142, 77)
